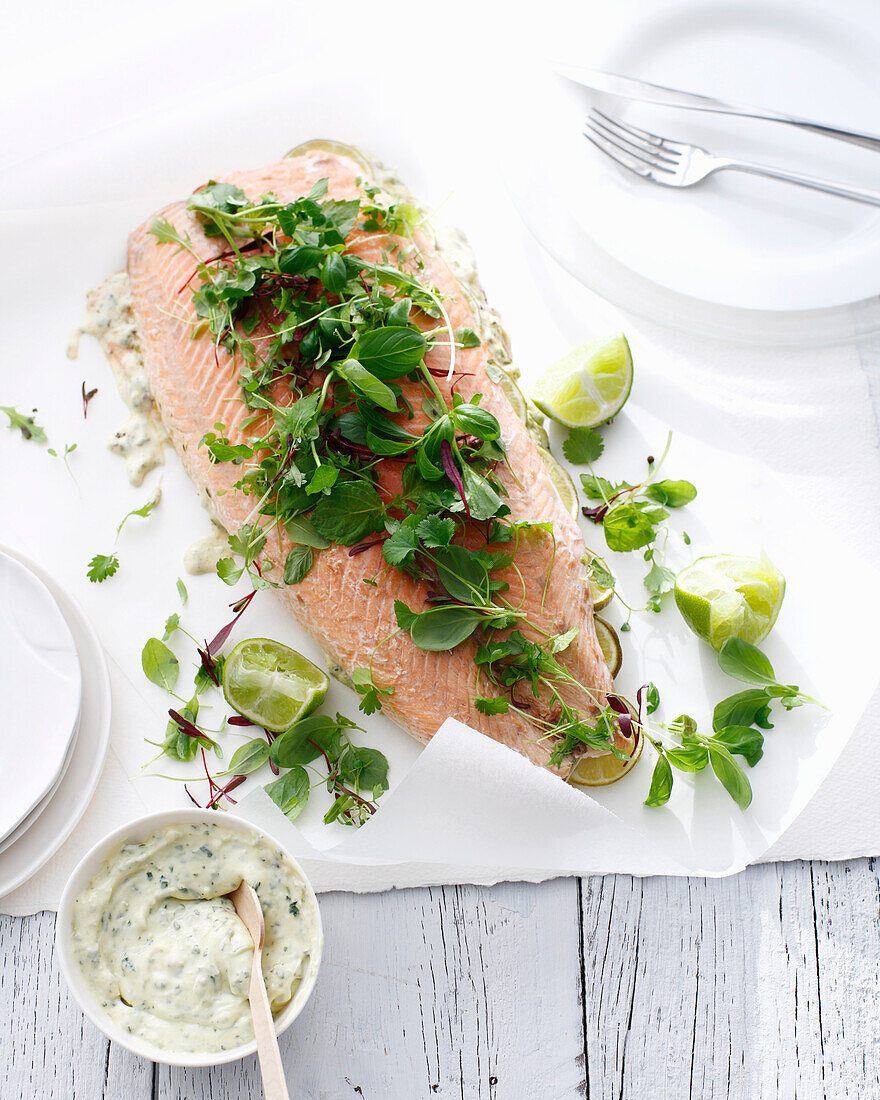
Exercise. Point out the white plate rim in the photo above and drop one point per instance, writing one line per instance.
(56, 770)
(96, 681)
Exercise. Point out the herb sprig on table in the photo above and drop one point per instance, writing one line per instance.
(632, 516)
(735, 725)
(330, 349)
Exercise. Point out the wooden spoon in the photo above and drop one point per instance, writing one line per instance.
(248, 907)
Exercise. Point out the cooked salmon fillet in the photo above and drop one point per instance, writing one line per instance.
(196, 386)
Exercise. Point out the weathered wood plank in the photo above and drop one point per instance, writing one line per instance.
(457, 992)
(762, 985)
(47, 1048)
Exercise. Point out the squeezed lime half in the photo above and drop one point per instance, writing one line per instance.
(724, 596)
(589, 385)
(272, 684)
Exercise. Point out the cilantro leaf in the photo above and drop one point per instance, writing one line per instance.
(101, 567)
(171, 624)
(583, 446)
(436, 531)
(143, 512)
(495, 704)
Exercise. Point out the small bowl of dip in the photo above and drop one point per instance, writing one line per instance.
(156, 956)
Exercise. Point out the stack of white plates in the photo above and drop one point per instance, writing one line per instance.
(55, 708)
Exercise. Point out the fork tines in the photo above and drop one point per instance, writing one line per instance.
(640, 151)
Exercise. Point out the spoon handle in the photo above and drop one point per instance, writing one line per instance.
(274, 1085)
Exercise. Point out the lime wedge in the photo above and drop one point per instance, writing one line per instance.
(514, 395)
(601, 595)
(609, 643)
(599, 771)
(562, 482)
(725, 597)
(327, 145)
(271, 684)
(589, 385)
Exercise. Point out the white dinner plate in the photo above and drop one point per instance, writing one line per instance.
(736, 242)
(40, 689)
(19, 831)
(61, 813)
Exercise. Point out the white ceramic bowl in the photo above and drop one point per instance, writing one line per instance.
(134, 832)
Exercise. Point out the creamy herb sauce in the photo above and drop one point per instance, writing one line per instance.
(110, 319)
(163, 950)
(202, 556)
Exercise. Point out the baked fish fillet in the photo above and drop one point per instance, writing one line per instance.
(196, 386)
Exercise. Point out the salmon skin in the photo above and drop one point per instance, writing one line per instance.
(195, 385)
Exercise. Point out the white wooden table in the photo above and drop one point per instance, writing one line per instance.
(760, 986)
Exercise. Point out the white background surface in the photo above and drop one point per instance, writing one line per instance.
(760, 985)
(810, 414)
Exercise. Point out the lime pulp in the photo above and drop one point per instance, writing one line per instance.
(725, 596)
(272, 684)
(588, 386)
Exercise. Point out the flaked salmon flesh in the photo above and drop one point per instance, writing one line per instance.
(195, 386)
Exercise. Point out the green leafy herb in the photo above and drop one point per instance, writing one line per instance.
(143, 512)
(298, 563)
(291, 792)
(370, 692)
(160, 665)
(249, 757)
(583, 446)
(171, 624)
(27, 425)
(101, 567)
(181, 591)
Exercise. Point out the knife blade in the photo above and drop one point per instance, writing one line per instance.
(625, 87)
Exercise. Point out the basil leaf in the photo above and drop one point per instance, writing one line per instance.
(483, 501)
(747, 708)
(731, 775)
(689, 758)
(334, 273)
(366, 384)
(302, 531)
(299, 561)
(674, 494)
(443, 628)
(290, 793)
(390, 352)
(661, 784)
(652, 698)
(352, 511)
(744, 661)
(304, 741)
(160, 665)
(476, 421)
(249, 757)
(742, 741)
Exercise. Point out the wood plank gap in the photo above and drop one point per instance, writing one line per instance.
(582, 963)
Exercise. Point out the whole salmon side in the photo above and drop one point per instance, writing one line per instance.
(196, 386)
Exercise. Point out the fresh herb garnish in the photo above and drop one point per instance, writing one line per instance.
(632, 517)
(733, 725)
(87, 396)
(101, 567)
(27, 425)
(347, 339)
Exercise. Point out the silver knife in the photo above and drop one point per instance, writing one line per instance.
(627, 88)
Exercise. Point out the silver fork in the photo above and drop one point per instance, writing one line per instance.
(678, 164)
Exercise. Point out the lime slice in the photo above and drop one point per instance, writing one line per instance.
(599, 771)
(725, 597)
(601, 596)
(609, 643)
(589, 385)
(562, 481)
(327, 145)
(271, 684)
